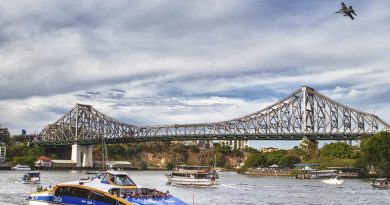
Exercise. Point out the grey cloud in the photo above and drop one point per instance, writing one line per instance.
(118, 90)
(105, 94)
(151, 53)
(60, 110)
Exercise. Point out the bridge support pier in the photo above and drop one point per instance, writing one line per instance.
(82, 155)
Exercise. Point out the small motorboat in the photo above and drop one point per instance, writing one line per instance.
(20, 167)
(381, 183)
(31, 178)
(333, 180)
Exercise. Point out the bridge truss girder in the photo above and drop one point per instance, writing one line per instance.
(303, 113)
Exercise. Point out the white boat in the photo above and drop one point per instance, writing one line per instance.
(381, 183)
(105, 188)
(20, 167)
(193, 175)
(31, 178)
(333, 180)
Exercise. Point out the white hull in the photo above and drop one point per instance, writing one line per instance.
(194, 182)
(381, 186)
(332, 181)
(33, 180)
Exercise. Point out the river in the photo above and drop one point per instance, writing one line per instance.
(234, 189)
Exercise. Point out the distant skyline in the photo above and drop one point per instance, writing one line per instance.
(172, 62)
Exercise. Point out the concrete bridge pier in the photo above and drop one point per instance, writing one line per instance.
(82, 155)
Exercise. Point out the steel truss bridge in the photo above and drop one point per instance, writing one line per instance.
(304, 113)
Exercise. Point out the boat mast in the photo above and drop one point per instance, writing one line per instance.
(215, 160)
(104, 153)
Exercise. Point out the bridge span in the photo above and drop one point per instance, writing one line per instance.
(304, 113)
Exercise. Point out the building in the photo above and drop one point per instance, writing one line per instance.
(2, 154)
(208, 144)
(63, 164)
(268, 149)
(4, 134)
(235, 144)
(43, 162)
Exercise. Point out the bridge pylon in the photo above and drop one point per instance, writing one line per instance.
(82, 155)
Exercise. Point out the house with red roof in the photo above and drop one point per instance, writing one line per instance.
(43, 161)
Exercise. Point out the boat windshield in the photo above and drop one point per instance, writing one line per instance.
(34, 174)
(121, 180)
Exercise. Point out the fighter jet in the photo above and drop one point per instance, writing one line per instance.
(346, 11)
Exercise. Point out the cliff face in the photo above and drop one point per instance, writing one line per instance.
(161, 154)
(203, 157)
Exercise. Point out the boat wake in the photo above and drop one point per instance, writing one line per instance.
(245, 186)
(193, 185)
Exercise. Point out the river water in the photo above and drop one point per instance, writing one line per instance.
(234, 189)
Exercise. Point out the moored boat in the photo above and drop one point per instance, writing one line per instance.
(193, 175)
(105, 188)
(381, 183)
(20, 167)
(31, 178)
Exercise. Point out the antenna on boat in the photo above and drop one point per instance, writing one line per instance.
(193, 198)
(104, 153)
(215, 161)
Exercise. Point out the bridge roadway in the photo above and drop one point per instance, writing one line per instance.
(340, 136)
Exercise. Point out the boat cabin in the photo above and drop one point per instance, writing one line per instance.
(115, 178)
(306, 171)
(31, 177)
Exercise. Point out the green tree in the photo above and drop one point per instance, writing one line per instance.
(275, 156)
(26, 160)
(194, 149)
(170, 165)
(289, 161)
(116, 151)
(376, 151)
(250, 150)
(336, 149)
(180, 148)
(237, 153)
(326, 162)
(143, 165)
(255, 160)
(224, 149)
(218, 160)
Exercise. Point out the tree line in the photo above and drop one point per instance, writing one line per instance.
(373, 152)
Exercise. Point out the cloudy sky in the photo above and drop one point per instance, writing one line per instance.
(169, 62)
